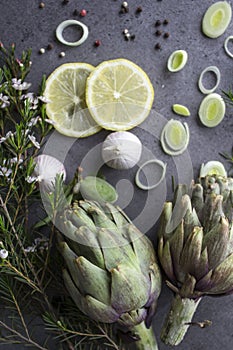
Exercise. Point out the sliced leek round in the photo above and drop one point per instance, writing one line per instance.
(181, 110)
(162, 172)
(216, 19)
(230, 54)
(175, 137)
(177, 60)
(216, 71)
(212, 110)
(213, 167)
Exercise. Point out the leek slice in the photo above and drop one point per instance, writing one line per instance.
(181, 110)
(175, 137)
(212, 110)
(177, 60)
(216, 71)
(216, 19)
(156, 162)
(213, 167)
(226, 46)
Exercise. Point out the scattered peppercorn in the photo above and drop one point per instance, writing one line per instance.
(165, 22)
(166, 35)
(62, 54)
(139, 9)
(158, 46)
(83, 13)
(97, 43)
(158, 33)
(157, 23)
(65, 2)
(41, 51)
(42, 5)
(76, 12)
(127, 36)
(132, 37)
(50, 47)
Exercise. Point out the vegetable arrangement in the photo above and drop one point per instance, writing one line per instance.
(111, 275)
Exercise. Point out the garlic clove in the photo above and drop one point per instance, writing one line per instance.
(121, 150)
(46, 170)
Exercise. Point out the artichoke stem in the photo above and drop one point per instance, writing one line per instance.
(147, 338)
(178, 320)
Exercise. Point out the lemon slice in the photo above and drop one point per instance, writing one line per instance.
(119, 95)
(65, 90)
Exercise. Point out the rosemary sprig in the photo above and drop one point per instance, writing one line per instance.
(29, 282)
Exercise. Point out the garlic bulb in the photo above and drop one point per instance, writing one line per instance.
(121, 150)
(46, 169)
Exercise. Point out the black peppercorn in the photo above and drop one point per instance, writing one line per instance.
(76, 12)
(165, 22)
(132, 37)
(139, 9)
(158, 46)
(65, 2)
(166, 35)
(158, 32)
(157, 23)
(49, 46)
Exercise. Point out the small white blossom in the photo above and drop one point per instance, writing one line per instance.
(30, 249)
(33, 141)
(4, 171)
(31, 98)
(18, 85)
(31, 179)
(43, 99)
(3, 253)
(34, 121)
(4, 138)
(5, 101)
(15, 160)
(49, 121)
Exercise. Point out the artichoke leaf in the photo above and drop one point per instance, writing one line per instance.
(116, 216)
(88, 305)
(166, 261)
(129, 289)
(164, 220)
(142, 247)
(129, 319)
(88, 246)
(100, 219)
(70, 258)
(222, 277)
(116, 250)
(79, 217)
(93, 280)
(190, 257)
(176, 245)
(197, 197)
(216, 241)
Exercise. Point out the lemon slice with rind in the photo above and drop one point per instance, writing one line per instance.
(65, 90)
(119, 94)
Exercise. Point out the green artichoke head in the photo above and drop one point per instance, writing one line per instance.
(111, 270)
(196, 238)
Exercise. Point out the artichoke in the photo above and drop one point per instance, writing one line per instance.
(196, 249)
(111, 270)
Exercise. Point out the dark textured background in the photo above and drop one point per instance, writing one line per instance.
(23, 23)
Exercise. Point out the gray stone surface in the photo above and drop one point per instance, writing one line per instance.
(23, 23)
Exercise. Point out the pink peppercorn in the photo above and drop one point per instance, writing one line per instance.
(83, 13)
(97, 43)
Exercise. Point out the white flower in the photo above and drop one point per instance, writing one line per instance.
(5, 101)
(30, 249)
(34, 121)
(31, 179)
(43, 99)
(18, 85)
(15, 160)
(33, 141)
(49, 121)
(4, 171)
(3, 253)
